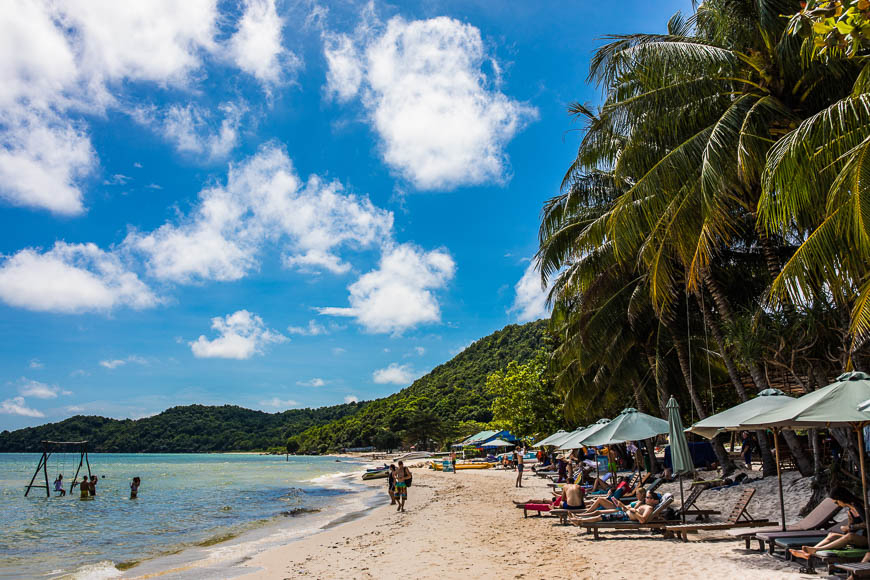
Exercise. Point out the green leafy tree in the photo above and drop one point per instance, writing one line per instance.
(525, 401)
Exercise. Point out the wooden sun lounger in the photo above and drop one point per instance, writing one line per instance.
(688, 508)
(563, 514)
(654, 524)
(740, 517)
(820, 517)
(855, 570)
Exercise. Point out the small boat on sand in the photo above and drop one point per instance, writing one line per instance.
(376, 474)
(440, 466)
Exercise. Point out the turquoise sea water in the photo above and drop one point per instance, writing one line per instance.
(184, 501)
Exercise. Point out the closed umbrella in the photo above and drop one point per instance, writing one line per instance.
(836, 405)
(731, 419)
(553, 439)
(681, 459)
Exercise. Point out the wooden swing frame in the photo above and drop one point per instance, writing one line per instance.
(50, 447)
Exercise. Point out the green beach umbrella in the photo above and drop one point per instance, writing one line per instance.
(553, 439)
(681, 458)
(630, 425)
(836, 405)
(731, 419)
(575, 438)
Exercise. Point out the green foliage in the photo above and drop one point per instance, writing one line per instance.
(189, 429)
(835, 27)
(449, 400)
(525, 401)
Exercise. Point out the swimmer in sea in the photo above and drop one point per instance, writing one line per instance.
(134, 488)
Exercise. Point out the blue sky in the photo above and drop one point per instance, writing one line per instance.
(274, 204)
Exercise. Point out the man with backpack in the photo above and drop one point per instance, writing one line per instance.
(403, 481)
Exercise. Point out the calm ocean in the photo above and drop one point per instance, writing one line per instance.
(199, 501)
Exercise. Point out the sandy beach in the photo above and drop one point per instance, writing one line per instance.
(465, 525)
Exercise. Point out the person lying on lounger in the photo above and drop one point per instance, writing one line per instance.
(640, 514)
(854, 533)
(618, 492)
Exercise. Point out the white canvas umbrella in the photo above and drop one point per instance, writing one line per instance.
(575, 438)
(555, 439)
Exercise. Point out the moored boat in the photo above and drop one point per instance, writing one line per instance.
(440, 467)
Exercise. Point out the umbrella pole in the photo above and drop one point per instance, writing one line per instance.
(860, 432)
(779, 476)
(682, 500)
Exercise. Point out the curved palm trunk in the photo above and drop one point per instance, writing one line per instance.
(768, 463)
(803, 462)
(683, 356)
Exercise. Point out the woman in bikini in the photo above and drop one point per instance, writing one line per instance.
(854, 533)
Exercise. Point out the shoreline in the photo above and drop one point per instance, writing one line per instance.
(465, 525)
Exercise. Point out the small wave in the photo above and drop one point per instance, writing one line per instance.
(104, 569)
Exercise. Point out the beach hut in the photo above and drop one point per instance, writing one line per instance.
(836, 405)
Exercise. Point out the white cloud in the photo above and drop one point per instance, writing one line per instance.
(338, 350)
(458, 349)
(419, 350)
(18, 406)
(196, 130)
(35, 363)
(344, 73)
(42, 161)
(395, 374)
(256, 45)
(74, 408)
(112, 364)
(276, 403)
(263, 201)
(71, 278)
(115, 363)
(31, 388)
(79, 373)
(441, 122)
(530, 302)
(313, 329)
(315, 382)
(351, 399)
(59, 59)
(242, 335)
(398, 294)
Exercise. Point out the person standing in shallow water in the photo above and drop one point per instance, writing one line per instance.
(134, 488)
(403, 476)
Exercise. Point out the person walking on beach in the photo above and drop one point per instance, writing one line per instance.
(134, 488)
(391, 484)
(520, 466)
(403, 476)
(453, 461)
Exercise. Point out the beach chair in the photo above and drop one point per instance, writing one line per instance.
(655, 523)
(689, 509)
(828, 558)
(739, 518)
(819, 518)
(854, 570)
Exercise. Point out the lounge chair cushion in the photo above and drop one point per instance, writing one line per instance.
(847, 553)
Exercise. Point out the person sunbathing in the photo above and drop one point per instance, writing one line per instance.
(640, 514)
(606, 502)
(854, 533)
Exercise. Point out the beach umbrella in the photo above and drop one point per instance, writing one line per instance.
(731, 419)
(553, 439)
(574, 439)
(836, 405)
(498, 443)
(630, 425)
(681, 459)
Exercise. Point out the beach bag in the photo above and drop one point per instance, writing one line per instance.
(410, 477)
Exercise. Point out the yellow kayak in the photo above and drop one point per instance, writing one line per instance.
(440, 467)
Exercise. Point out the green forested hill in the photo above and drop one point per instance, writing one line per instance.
(433, 407)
